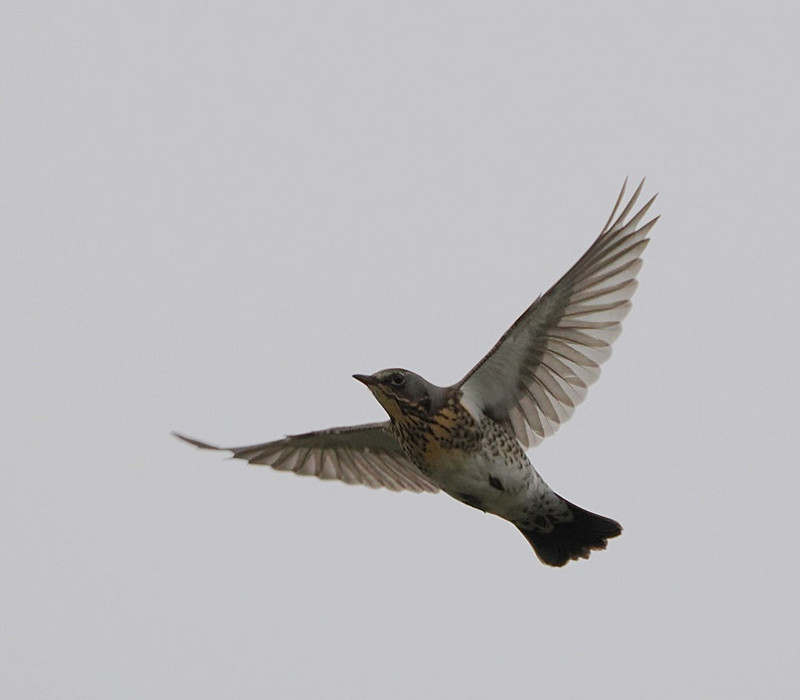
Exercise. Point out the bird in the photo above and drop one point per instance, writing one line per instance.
(469, 439)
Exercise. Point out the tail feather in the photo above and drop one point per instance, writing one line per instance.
(571, 540)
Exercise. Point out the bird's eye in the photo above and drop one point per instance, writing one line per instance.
(397, 379)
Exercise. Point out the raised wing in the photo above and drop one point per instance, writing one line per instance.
(543, 365)
(360, 454)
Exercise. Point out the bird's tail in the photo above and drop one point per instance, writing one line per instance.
(562, 541)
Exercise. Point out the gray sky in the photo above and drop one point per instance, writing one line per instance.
(211, 217)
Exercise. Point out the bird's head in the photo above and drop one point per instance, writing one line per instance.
(403, 393)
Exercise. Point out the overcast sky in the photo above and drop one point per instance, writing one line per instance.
(213, 216)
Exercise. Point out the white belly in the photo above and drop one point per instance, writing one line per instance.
(484, 482)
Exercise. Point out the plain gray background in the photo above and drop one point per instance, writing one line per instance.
(213, 214)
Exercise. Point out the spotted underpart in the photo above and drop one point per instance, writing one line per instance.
(461, 456)
(424, 437)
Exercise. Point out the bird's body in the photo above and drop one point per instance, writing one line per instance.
(468, 439)
(480, 462)
(493, 474)
(468, 456)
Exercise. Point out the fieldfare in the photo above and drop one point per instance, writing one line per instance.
(469, 439)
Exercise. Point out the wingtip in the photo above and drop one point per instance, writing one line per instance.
(620, 197)
(197, 443)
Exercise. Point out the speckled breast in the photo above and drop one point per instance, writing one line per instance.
(450, 434)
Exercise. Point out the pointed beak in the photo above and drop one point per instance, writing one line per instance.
(366, 379)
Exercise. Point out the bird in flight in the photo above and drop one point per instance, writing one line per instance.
(469, 439)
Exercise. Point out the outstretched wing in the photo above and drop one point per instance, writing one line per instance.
(543, 365)
(360, 454)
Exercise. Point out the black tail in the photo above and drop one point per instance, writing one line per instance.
(571, 540)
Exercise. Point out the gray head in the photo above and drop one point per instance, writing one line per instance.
(401, 392)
